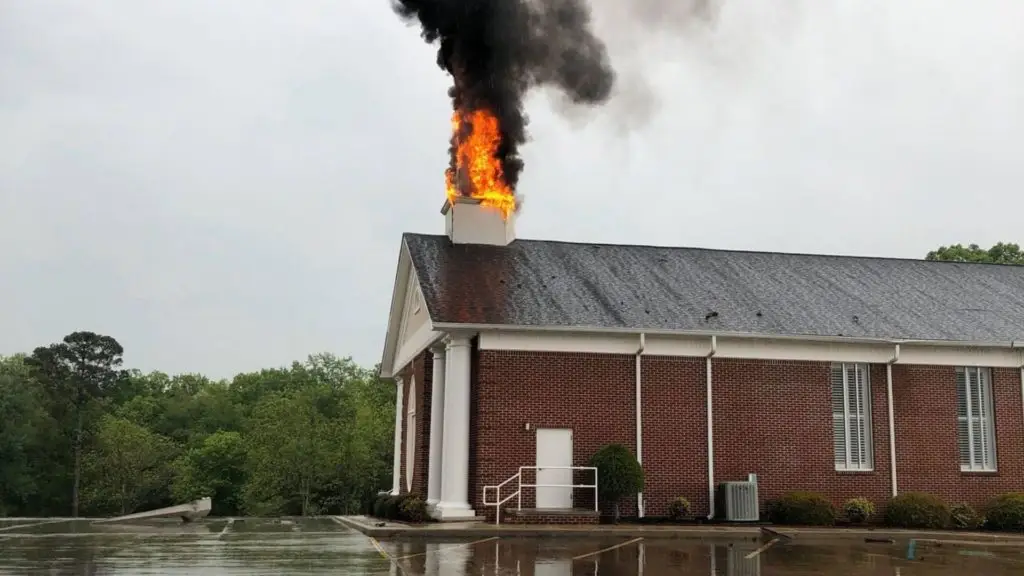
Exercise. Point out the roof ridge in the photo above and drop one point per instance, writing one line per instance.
(743, 251)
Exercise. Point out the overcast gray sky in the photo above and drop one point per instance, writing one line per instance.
(222, 185)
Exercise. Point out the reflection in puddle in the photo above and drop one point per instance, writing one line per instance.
(322, 546)
(576, 557)
(562, 557)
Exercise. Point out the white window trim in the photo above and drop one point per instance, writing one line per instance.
(971, 377)
(868, 439)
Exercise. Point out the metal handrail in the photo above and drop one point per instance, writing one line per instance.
(518, 494)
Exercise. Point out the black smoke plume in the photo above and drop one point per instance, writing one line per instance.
(497, 50)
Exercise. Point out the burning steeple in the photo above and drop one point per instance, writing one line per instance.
(495, 51)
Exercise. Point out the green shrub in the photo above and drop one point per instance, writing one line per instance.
(1006, 512)
(802, 508)
(389, 507)
(413, 509)
(858, 510)
(965, 518)
(679, 509)
(917, 510)
(379, 505)
(618, 474)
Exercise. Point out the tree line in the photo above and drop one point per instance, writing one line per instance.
(999, 253)
(81, 435)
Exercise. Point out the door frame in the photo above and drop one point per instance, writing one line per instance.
(568, 474)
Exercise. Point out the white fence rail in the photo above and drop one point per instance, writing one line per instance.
(500, 501)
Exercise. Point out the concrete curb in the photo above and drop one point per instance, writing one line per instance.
(397, 531)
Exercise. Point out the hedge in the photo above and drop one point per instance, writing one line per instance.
(802, 508)
(408, 507)
(1006, 512)
(918, 510)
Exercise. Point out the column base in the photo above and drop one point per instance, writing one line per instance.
(445, 511)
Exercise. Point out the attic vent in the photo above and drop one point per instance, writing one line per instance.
(738, 500)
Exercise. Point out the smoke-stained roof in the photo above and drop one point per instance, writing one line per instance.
(542, 283)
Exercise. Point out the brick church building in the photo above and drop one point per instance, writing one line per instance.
(847, 376)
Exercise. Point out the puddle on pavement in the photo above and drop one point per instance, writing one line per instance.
(322, 546)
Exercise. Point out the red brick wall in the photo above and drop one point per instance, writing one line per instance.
(772, 418)
(928, 458)
(422, 369)
(592, 394)
(775, 419)
(675, 428)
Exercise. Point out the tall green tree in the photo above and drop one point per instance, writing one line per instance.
(76, 372)
(126, 465)
(1001, 253)
(24, 426)
(214, 469)
(292, 448)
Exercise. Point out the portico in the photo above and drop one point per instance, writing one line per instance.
(447, 475)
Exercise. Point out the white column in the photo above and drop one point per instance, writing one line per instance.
(396, 466)
(433, 562)
(455, 456)
(454, 561)
(436, 428)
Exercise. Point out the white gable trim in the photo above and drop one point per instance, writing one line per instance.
(755, 348)
(400, 348)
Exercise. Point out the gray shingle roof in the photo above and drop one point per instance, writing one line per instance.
(541, 283)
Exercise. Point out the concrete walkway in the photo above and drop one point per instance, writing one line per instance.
(461, 530)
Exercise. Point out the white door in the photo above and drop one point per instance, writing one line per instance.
(560, 567)
(554, 448)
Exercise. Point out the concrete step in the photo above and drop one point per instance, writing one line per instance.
(552, 516)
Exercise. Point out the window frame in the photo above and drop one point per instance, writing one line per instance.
(849, 463)
(988, 461)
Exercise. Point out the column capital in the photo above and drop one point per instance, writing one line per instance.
(438, 350)
(456, 341)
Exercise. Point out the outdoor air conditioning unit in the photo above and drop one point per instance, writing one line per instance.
(737, 501)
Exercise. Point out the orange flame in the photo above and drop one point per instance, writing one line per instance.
(478, 172)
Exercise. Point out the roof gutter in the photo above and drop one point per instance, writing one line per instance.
(444, 326)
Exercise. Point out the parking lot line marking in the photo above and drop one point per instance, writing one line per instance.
(588, 555)
(492, 539)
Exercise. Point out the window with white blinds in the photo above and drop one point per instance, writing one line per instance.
(975, 422)
(851, 416)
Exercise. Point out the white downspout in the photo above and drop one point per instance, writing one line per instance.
(639, 424)
(711, 433)
(1020, 347)
(396, 467)
(892, 420)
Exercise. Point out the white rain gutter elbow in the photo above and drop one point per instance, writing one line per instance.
(892, 419)
(639, 422)
(711, 431)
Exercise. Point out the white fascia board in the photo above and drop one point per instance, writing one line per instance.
(746, 346)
